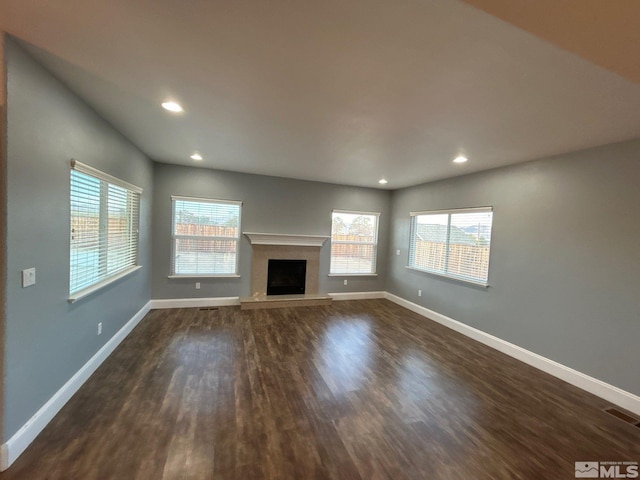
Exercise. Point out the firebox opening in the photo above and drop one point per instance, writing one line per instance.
(286, 277)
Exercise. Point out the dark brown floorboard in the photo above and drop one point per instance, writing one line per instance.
(360, 390)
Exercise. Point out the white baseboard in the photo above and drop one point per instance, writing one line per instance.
(18, 443)
(232, 301)
(194, 302)
(592, 385)
(356, 295)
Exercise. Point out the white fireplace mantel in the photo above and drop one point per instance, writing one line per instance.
(286, 239)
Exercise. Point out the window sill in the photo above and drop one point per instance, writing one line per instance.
(94, 288)
(450, 277)
(204, 276)
(352, 275)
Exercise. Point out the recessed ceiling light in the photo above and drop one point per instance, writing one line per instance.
(172, 107)
(196, 156)
(460, 159)
(383, 181)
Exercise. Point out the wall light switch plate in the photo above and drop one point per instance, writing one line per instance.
(28, 277)
(398, 252)
(345, 281)
(197, 285)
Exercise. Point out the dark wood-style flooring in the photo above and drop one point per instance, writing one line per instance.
(360, 390)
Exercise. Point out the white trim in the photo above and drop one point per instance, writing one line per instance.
(287, 239)
(452, 210)
(97, 286)
(352, 275)
(94, 172)
(4, 457)
(578, 379)
(355, 212)
(207, 200)
(194, 302)
(449, 277)
(338, 296)
(18, 443)
(159, 304)
(193, 275)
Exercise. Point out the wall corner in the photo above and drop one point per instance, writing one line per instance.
(3, 216)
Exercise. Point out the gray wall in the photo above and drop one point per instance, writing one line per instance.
(270, 205)
(565, 258)
(47, 338)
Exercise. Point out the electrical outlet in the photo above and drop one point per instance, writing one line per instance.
(345, 281)
(419, 293)
(28, 277)
(398, 252)
(100, 328)
(197, 285)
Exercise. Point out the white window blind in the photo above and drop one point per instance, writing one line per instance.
(105, 214)
(354, 242)
(453, 243)
(206, 234)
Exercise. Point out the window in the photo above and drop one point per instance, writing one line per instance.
(354, 243)
(104, 229)
(206, 234)
(453, 243)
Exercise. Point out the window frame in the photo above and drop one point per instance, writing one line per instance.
(449, 212)
(175, 237)
(373, 273)
(133, 192)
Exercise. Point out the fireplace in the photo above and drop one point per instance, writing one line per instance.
(267, 247)
(273, 252)
(286, 277)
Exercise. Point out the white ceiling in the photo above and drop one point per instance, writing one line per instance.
(336, 91)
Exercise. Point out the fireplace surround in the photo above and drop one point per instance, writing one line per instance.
(269, 246)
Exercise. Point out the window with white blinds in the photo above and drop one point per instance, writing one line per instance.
(354, 242)
(105, 214)
(206, 235)
(453, 243)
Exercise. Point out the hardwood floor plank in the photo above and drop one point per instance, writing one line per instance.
(357, 390)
